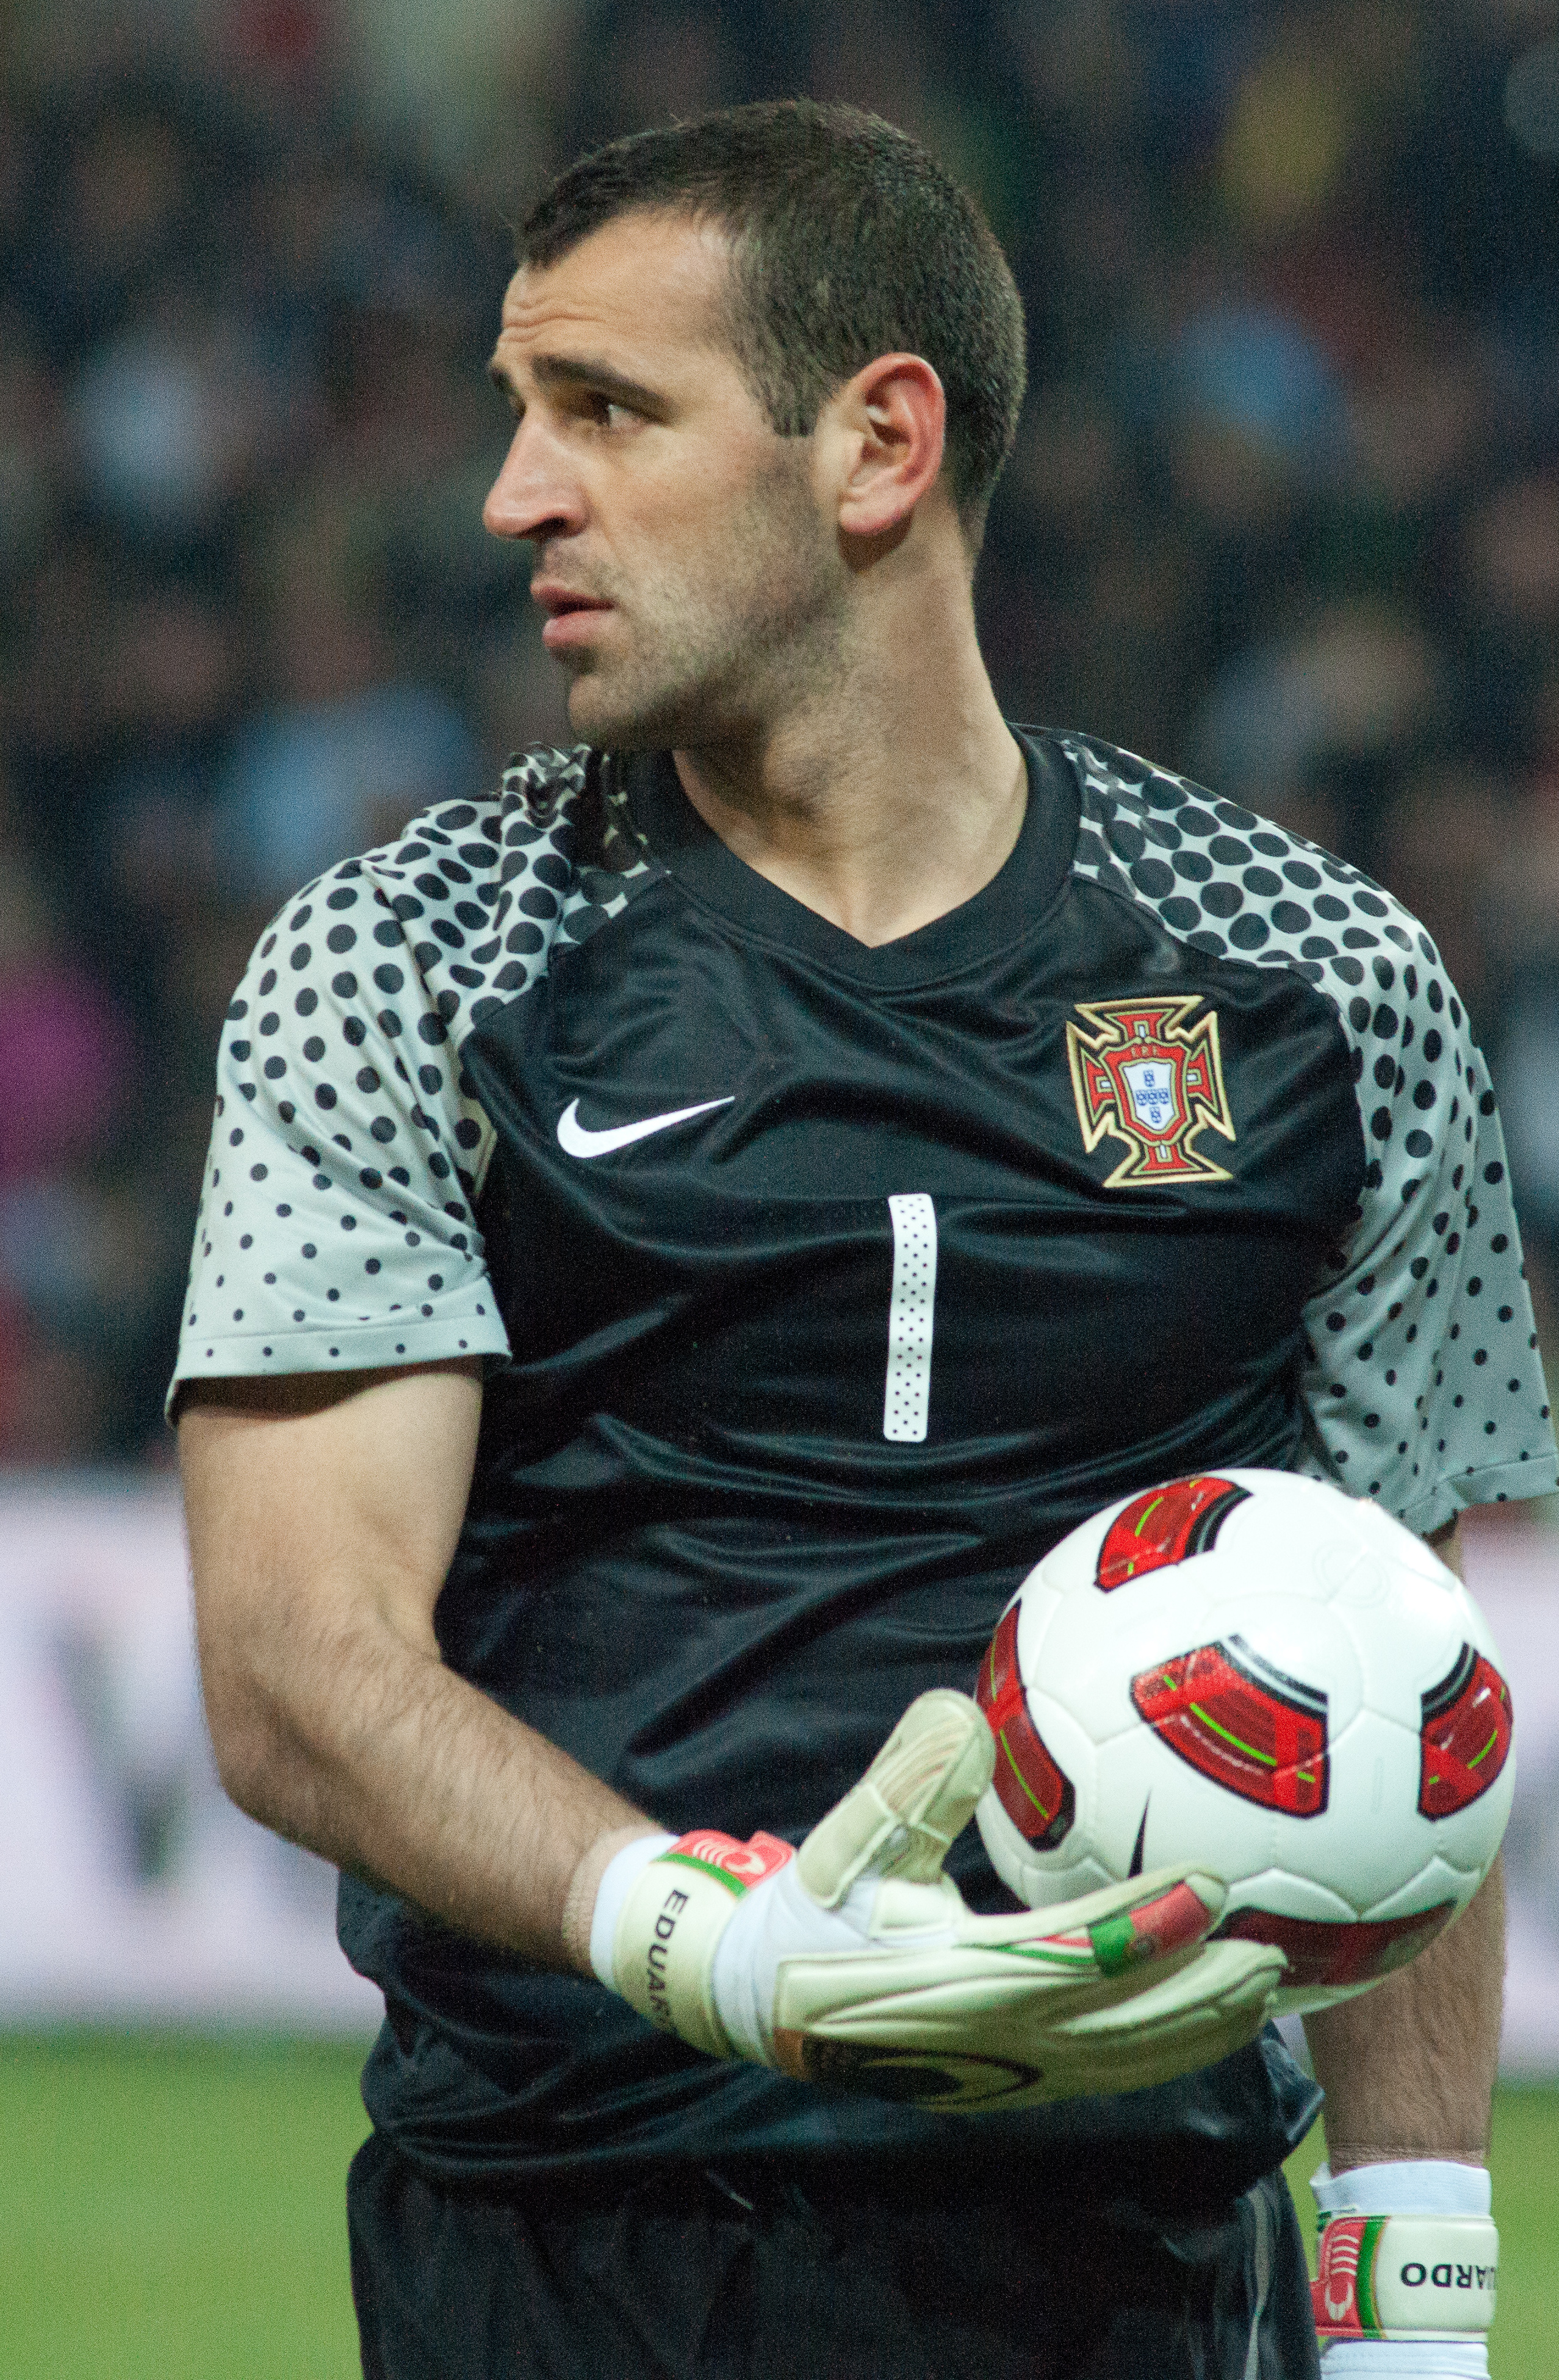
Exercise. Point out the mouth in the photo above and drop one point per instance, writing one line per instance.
(569, 615)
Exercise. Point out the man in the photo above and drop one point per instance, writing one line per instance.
(660, 1287)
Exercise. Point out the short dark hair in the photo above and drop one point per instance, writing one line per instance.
(850, 242)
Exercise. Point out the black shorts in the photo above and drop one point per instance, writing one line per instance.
(726, 2278)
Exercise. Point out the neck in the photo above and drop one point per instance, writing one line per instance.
(887, 798)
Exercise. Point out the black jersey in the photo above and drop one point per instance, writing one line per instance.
(823, 1288)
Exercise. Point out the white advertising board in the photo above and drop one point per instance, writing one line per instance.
(130, 1887)
(1513, 1569)
(131, 1890)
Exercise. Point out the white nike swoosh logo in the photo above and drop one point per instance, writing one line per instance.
(578, 1139)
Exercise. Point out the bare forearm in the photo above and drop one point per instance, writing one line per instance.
(384, 1761)
(323, 1517)
(1408, 2068)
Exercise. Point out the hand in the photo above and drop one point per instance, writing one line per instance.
(857, 1965)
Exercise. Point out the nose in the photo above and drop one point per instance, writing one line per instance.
(535, 494)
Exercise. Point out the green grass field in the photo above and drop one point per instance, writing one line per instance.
(172, 2210)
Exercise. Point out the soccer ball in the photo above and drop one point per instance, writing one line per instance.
(1257, 1674)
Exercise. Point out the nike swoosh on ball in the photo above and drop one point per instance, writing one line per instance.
(578, 1139)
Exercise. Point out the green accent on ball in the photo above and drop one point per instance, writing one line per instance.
(1267, 1759)
(1046, 1814)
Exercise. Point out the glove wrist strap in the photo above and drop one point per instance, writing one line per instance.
(1406, 2276)
(596, 1891)
(673, 1917)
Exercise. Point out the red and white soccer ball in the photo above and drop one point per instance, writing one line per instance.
(1255, 1672)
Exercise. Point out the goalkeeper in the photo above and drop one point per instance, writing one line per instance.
(682, 1237)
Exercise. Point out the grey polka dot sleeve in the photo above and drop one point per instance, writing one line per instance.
(1422, 1383)
(336, 1228)
(337, 1224)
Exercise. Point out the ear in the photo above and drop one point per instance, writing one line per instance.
(882, 439)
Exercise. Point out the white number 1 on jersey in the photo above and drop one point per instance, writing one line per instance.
(906, 1402)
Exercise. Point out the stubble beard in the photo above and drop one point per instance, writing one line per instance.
(718, 658)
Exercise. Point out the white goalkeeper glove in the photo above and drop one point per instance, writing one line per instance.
(856, 1963)
(1409, 2262)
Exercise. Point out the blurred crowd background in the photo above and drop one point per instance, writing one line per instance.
(1284, 514)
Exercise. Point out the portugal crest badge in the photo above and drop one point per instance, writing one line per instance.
(1147, 1075)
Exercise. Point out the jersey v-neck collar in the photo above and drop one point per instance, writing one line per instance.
(995, 918)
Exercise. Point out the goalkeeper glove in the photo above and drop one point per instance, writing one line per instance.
(856, 1963)
(1409, 2262)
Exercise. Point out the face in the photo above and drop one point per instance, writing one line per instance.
(684, 553)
